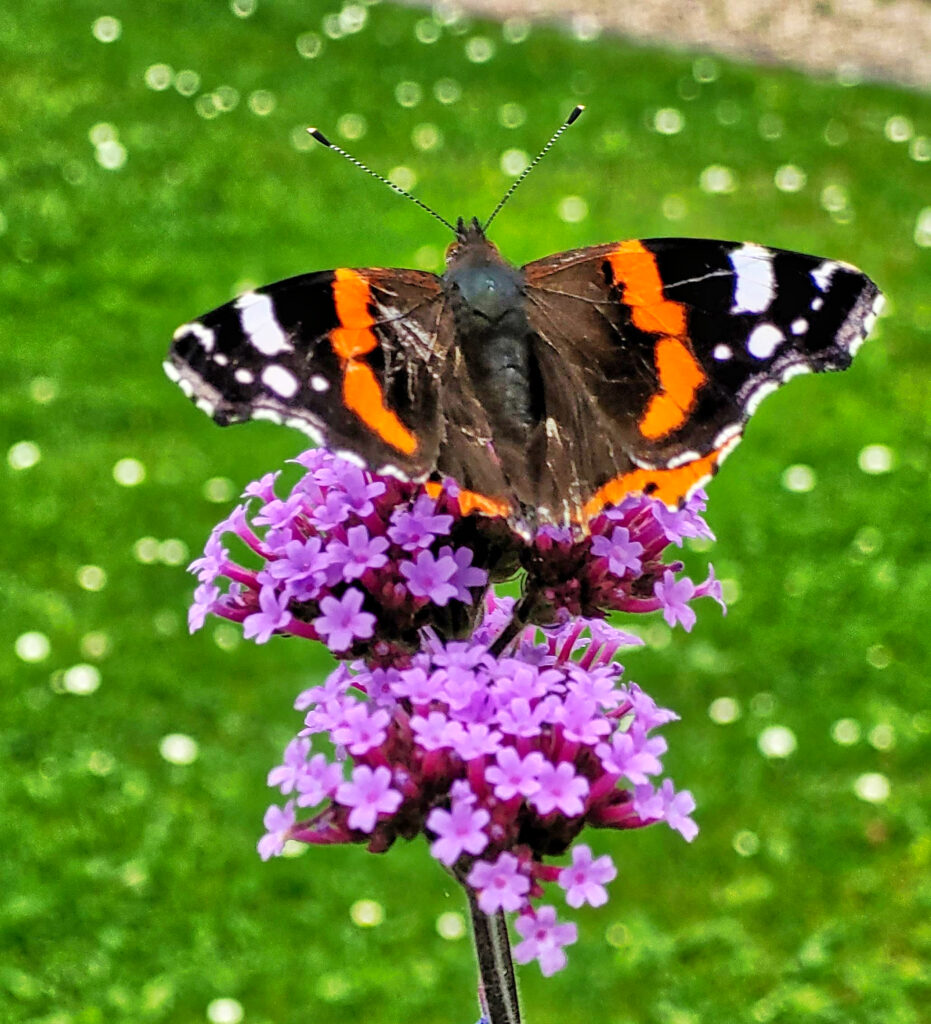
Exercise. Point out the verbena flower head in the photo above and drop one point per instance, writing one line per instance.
(497, 729)
(365, 563)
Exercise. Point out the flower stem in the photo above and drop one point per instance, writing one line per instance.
(497, 986)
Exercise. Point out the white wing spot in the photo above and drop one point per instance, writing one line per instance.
(244, 376)
(823, 273)
(722, 352)
(281, 381)
(319, 383)
(171, 372)
(754, 282)
(205, 337)
(764, 340)
(799, 326)
(220, 359)
(260, 325)
(817, 302)
(794, 370)
(208, 407)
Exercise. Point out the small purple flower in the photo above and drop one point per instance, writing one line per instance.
(622, 553)
(343, 620)
(205, 596)
(358, 553)
(675, 595)
(263, 489)
(277, 513)
(632, 754)
(359, 731)
(319, 781)
(677, 810)
(584, 880)
(359, 490)
(466, 574)
(287, 774)
(501, 885)
(430, 577)
(211, 565)
(278, 822)
(368, 794)
(302, 568)
(513, 774)
(459, 830)
(273, 615)
(543, 940)
(561, 789)
(417, 527)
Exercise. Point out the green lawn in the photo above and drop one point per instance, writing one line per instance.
(129, 886)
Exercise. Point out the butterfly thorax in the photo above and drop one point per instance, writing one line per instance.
(487, 298)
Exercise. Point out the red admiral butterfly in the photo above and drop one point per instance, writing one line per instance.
(547, 391)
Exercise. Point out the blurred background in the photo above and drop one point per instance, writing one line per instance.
(153, 163)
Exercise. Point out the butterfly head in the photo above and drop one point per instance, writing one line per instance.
(471, 246)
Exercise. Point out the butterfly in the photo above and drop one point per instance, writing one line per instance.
(547, 391)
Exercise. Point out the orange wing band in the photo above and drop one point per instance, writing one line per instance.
(668, 485)
(679, 374)
(352, 340)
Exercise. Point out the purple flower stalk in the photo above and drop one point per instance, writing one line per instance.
(497, 729)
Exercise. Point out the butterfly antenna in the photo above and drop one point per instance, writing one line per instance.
(324, 141)
(570, 120)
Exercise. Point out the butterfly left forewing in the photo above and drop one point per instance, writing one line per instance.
(350, 357)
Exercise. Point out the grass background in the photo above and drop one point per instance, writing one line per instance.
(129, 886)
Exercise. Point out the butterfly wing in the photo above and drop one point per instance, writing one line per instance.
(656, 352)
(350, 357)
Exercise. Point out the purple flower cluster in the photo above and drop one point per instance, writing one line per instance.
(448, 715)
(499, 761)
(364, 563)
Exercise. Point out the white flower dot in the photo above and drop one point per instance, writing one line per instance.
(876, 459)
(845, 732)
(920, 149)
(225, 1011)
(572, 209)
(447, 91)
(716, 179)
(111, 155)
(872, 787)
(479, 49)
(91, 577)
(426, 137)
(777, 741)
(403, 177)
(106, 29)
(668, 121)
(32, 647)
(145, 550)
(219, 489)
(746, 843)
(43, 390)
(129, 472)
(799, 479)
(309, 45)
(790, 178)
(159, 76)
(515, 30)
(724, 710)
(427, 31)
(367, 913)
(177, 748)
(513, 162)
(173, 552)
(882, 736)
(187, 82)
(511, 115)
(23, 455)
(450, 925)
(262, 102)
(898, 128)
(352, 126)
(834, 198)
(95, 645)
(81, 680)
(408, 94)
(243, 8)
